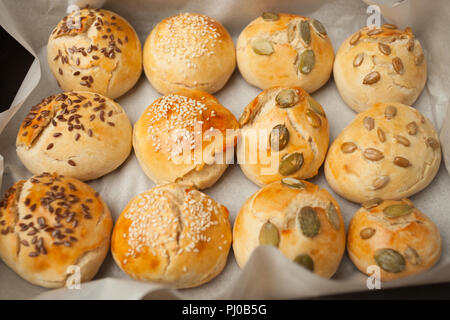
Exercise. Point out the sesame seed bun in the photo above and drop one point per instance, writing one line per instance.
(172, 234)
(189, 51)
(49, 223)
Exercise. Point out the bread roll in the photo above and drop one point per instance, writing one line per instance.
(79, 134)
(95, 50)
(395, 236)
(380, 65)
(172, 234)
(301, 220)
(49, 223)
(390, 151)
(183, 138)
(285, 50)
(284, 132)
(189, 51)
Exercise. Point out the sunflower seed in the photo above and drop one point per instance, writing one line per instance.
(412, 256)
(262, 46)
(287, 98)
(315, 106)
(372, 203)
(348, 147)
(374, 32)
(307, 61)
(373, 154)
(367, 233)
(305, 261)
(354, 39)
(419, 59)
(318, 26)
(384, 48)
(333, 216)
(359, 58)
(380, 182)
(313, 118)
(402, 162)
(279, 137)
(390, 260)
(290, 163)
(433, 143)
(270, 16)
(369, 123)
(397, 64)
(305, 32)
(269, 235)
(372, 78)
(293, 183)
(390, 112)
(402, 140)
(412, 128)
(410, 44)
(245, 117)
(397, 210)
(309, 222)
(389, 26)
(381, 135)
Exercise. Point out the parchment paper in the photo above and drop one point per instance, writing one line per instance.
(268, 274)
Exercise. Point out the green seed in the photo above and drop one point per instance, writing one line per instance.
(390, 260)
(315, 106)
(279, 137)
(305, 32)
(333, 216)
(397, 210)
(290, 163)
(307, 61)
(269, 235)
(287, 98)
(318, 26)
(313, 118)
(305, 261)
(270, 16)
(309, 222)
(262, 47)
(293, 183)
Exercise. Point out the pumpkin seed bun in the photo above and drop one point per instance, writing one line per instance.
(51, 223)
(79, 134)
(303, 221)
(189, 51)
(168, 134)
(297, 131)
(285, 50)
(390, 151)
(95, 50)
(380, 65)
(172, 234)
(395, 236)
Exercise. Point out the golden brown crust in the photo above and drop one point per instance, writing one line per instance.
(49, 223)
(414, 236)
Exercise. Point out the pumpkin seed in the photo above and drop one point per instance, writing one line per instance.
(269, 235)
(372, 78)
(433, 143)
(279, 137)
(307, 61)
(293, 183)
(373, 154)
(419, 59)
(410, 44)
(287, 98)
(369, 123)
(367, 233)
(348, 147)
(270, 16)
(309, 222)
(305, 261)
(412, 256)
(305, 32)
(333, 216)
(380, 182)
(359, 58)
(374, 32)
(384, 48)
(402, 162)
(381, 135)
(290, 163)
(315, 106)
(389, 26)
(402, 140)
(262, 47)
(313, 118)
(319, 27)
(390, 112)
(397, 210)
(390, 260)
(412, 128)
(372, 203)
(354, 39)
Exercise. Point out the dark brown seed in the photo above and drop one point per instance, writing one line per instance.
(397, 64)
(402, 162)
(33, 254)
(60, 71)
(77, 136)
(412, 128)
(372, 78)
(90, 133)
(369, 123)
(33, 207)
(50, 146)
(57, 134)
(72, 163)
(384, 48)
(76, 73)
(95, 57)
(111, 124)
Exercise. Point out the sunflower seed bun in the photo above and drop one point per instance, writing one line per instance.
(172, 234)
(95, 50)
(297, 131)
(50, 223)
(390, 151)
(189, 51)
(167, 138)
(79, 134)
(395, 236)
(380, 65)
(301, 220)
(285, 50)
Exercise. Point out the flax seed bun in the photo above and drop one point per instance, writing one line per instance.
(167, 137)
(49, 223)
(95, 50)
(390, 151)
(189, 51)
(380, 65)
(290, 117)
(172, 234)
(395, 236)
(273, 51)
(301, 220)
(79, 134)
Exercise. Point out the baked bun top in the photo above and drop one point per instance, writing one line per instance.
(172, 234)
(189, 51)
(179, 133)
(395, 236)
(285, 50)
(390, 151)
(380, 65)
(296, 129)
(95, 50)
